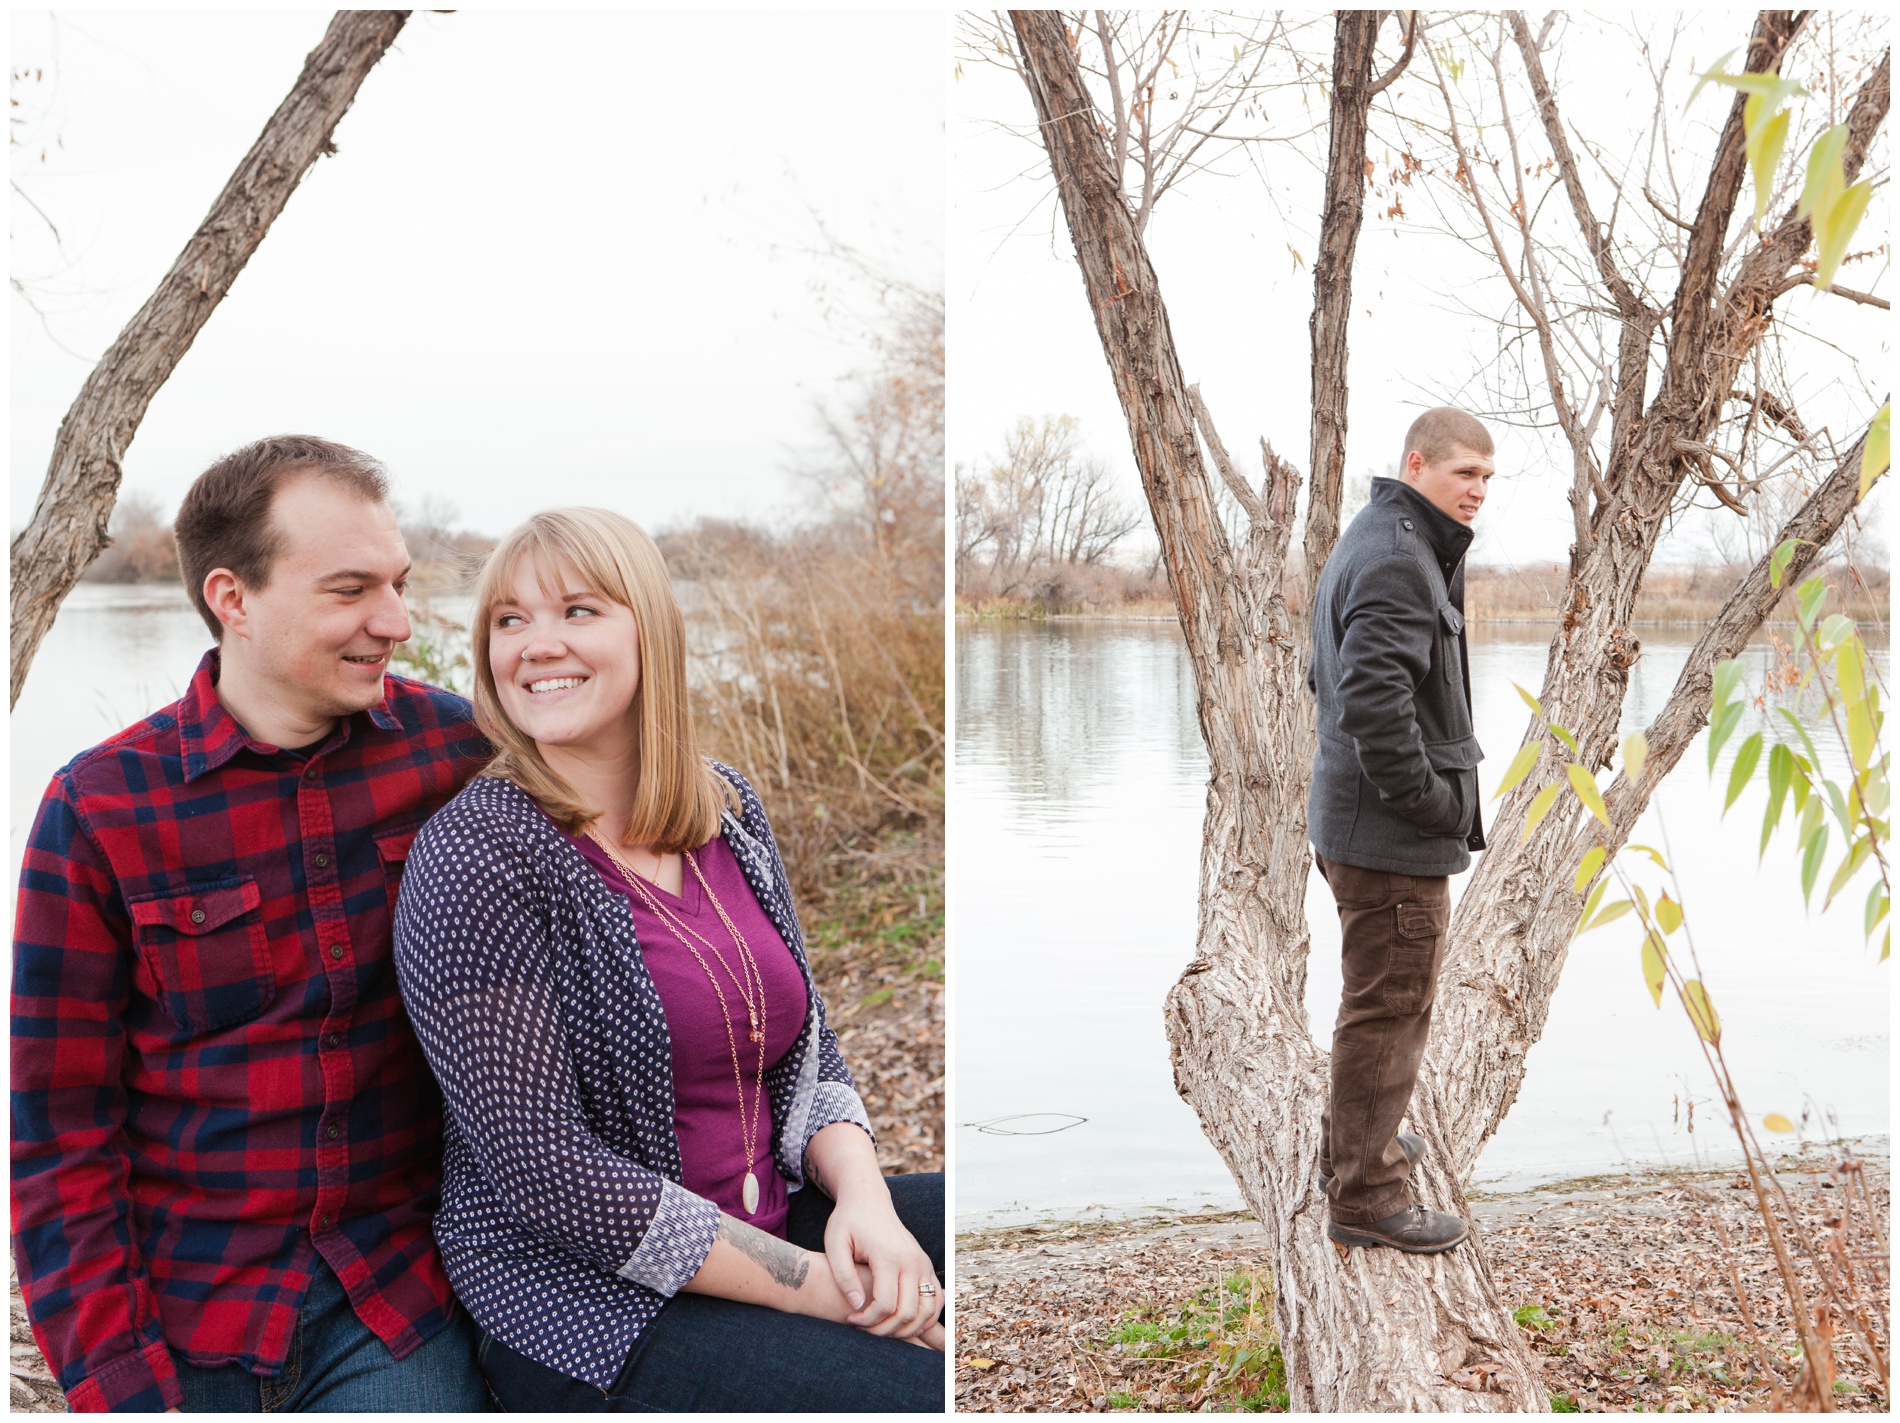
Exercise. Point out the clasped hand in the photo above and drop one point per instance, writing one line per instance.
(879, 1267)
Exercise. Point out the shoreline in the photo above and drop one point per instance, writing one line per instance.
(1617, 1280)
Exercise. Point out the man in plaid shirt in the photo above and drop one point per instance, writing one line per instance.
(226, 1143)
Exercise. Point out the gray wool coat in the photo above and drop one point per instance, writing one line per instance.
(1395, 783)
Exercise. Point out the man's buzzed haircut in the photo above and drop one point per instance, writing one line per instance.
(1440, 430)
(225, 520)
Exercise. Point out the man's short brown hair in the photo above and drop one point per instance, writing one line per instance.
(1440, 430)
(225, 520)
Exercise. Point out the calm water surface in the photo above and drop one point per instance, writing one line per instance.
(1079, 798)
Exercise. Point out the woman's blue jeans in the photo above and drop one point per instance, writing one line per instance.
(707, 1355)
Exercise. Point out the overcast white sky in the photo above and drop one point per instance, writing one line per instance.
(1023, 342)
(556, 259)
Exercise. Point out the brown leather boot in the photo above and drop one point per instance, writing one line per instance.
(1414, 1230)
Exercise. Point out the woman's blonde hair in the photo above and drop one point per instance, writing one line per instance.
(677, 795)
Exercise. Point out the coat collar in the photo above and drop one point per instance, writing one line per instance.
(1449, 538)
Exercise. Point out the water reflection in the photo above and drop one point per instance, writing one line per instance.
(1079, 794)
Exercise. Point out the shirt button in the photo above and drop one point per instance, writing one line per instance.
(322, 860)
(335, 1040)
(324, 1224)
(1406, 522)
(197, 916)
(310, 773)
(336, 951)
(332, 1130)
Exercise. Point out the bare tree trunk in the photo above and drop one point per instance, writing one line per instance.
(1377, 1330)
(68, 528)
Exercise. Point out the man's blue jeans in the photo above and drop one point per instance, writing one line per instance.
(707, 1355)
(337, 1365)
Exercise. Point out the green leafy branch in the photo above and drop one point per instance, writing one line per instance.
(1833, 208)
(1844, 682)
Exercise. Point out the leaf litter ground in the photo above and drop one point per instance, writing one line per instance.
(1618, 1283)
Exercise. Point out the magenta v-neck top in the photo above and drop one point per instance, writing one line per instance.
(706, 1119)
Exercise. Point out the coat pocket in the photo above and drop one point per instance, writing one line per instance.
(1451, 625)
(208, 953)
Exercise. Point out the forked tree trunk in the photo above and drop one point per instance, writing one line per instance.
(1373, 1330)
(68, 528)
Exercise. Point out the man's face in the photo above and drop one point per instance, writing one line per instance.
(319, 634)
(1456, 484)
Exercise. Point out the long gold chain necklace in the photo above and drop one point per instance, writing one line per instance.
(749, 983)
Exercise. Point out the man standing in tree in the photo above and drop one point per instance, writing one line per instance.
(1393, 809)
(226, 1142)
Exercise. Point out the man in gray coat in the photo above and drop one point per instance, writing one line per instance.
(1393, 810)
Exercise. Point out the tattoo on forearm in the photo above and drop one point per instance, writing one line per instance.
(783, 1261)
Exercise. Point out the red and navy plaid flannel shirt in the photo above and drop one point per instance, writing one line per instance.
(213, 1077)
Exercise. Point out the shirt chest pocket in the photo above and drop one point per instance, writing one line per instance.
(207, 951)
(393, 852)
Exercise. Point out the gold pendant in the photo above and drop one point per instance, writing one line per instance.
(749, 1193)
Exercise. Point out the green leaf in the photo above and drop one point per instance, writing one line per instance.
(1709, 78)
(1610, 912)
(1824, 173)
(1653, 854)
(1860, 735)
(1721, 727)
(1653, 969)
(1540, 807)
(1874, 455)
(1563, 736)
(1814, 757)
(1596, 897)
(1743, 768)
(1780, 770)
(1764, 156)
(1592, 862)
(1849, 671)
(1728, 673)
(1585, 786)
(1778, 565)
(1530, 701)
(1850, 862)
(1774, 1121)
(1830, 634)
(1838, 804)
(1834, 228)
(1695, 998)
(1519, 768)
(1635, 753)
(1878, 905)
(1811, 852)
(1812, 594)
(1668, 915)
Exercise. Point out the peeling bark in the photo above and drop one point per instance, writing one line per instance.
(68, 528)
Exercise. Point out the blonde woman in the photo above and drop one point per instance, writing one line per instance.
(659, 1186)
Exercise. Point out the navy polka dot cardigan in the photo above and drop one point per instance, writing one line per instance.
(563, 1225)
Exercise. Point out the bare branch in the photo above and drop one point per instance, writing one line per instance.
(1411, 40)
(1254, 505)
(1806, 279)
(68, 528)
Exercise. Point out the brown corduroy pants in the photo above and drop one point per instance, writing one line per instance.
(1394, 939)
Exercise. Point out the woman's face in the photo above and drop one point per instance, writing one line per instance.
(566, 664)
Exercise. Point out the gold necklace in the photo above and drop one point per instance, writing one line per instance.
(751, 987)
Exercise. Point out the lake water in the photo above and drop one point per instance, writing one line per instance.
(1079, 790)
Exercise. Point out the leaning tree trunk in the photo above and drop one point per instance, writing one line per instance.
(68, 528)
(1377, 1330)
